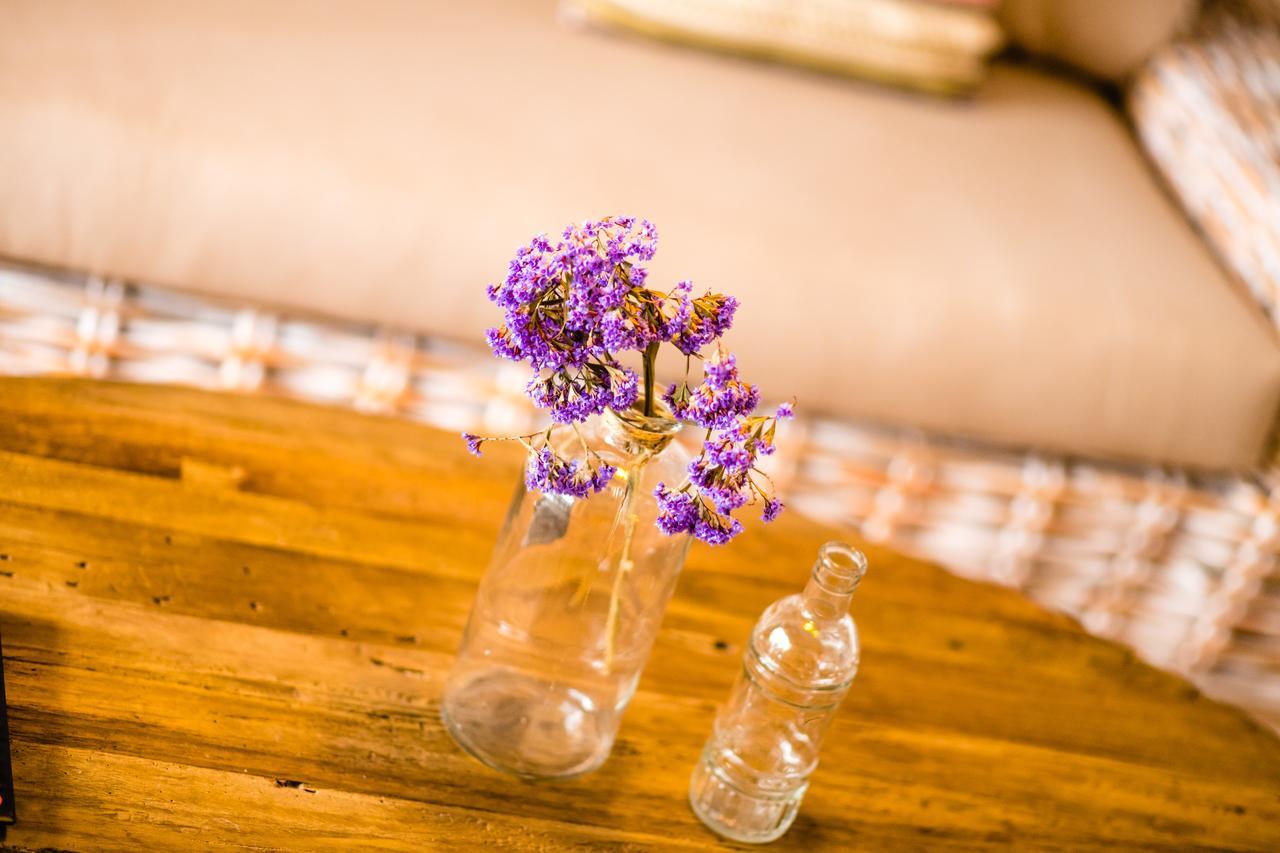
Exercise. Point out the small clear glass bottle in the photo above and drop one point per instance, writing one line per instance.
(799, 663)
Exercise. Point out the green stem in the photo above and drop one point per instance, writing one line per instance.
(650, 360)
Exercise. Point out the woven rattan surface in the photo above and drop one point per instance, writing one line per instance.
(1207, 110)
(1180, 567)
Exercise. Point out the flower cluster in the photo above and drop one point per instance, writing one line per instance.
(572, 308)
(721, 479)
(720, 401)
(698, 321)
(573, 397)
(549, 471)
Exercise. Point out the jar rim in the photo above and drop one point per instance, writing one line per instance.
(651, 433)
(661, 424)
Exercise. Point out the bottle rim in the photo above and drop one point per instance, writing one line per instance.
(640, 432)
(840, 567)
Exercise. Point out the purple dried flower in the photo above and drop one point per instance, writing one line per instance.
(726, 491)
(622, 331)
(545, 472)
(720, 400)
(549, 472)
(677, 511)
(573, 396)
(572, 306)
(696, 322)
(502, 344)
(772, 509)
(727, 452)
(599, 477)
(717, 529)
(473, 442)
(722, 478)
(684, 511)
(569, 399)
(626, 387)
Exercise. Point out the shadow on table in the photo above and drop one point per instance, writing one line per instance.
(611, 790)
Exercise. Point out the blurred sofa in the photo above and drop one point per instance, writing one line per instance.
(1014, 348)
(1005, 269)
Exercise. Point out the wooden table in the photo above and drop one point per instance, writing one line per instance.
(226, 622)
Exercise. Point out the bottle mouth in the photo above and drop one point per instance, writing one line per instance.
(840, 567)
(641, 432)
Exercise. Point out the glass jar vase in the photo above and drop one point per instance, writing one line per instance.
(567, 612)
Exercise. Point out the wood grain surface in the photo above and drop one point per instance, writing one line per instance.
(226, 622)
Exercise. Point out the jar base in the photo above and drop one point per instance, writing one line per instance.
(735, 814)
(527, 726)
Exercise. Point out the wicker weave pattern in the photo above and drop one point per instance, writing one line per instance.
(1207, 110)
(1182, 569)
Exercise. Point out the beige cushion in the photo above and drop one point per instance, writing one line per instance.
(1005, 269)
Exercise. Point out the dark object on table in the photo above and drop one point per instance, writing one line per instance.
(7, 813)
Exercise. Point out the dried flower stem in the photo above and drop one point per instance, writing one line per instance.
(584, 588)
(627, 518)
(650, 376)
(625, 565)
(584, 585)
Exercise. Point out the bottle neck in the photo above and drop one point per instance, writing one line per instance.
(836, 574)
(636, 435)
